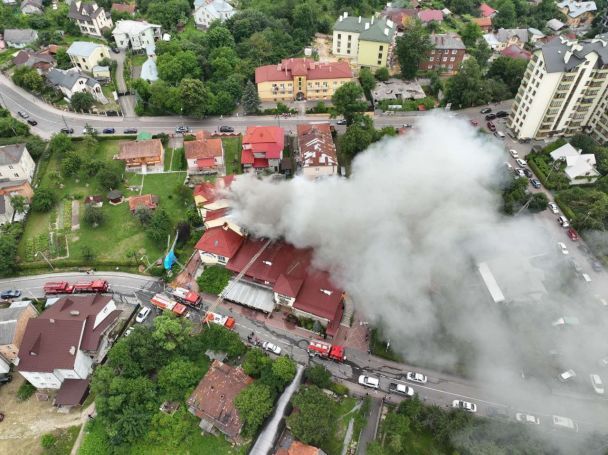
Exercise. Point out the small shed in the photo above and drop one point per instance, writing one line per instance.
(95, 201)
(101, 72)
(115, 197)
(72, 393)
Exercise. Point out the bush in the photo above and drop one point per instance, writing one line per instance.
(48, 441)
(339, 389)
(213, 280)
(25, 391)
(319, 376)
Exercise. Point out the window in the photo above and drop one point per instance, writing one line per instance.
(380, 56)
(454, 51)
(444, 59)
(432, 59)
(452, 59)
(339, 35)
(381, 48)
(350, 37)
(379, 62)
(16, 175)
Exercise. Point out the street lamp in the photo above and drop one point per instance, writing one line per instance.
(45, 258)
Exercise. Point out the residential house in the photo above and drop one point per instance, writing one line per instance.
(128, 8)
(564, 91)
(284, 275)
(578, 14)
(430, 15)
(32, 7)
(213, 399)
(580, 168)
(143, 154)
(149, 71)
(90, 18)
(401, 17)
(514, 51)
(506, 37)
(486, 10)
(136, 35)
(86, 55)
(207, 11)
(148, 201)
(213, 204)
(218, 245)
(299, 448)
(19, 37)
(6, 210)
(11, 188)
(397, 90)
(535, 35)
(484, 23)
(73, 81)
(16, 163)
(13, 321)
(262, 148)
(66, 340)
(301, 79)
(316, 157)
(447, 54)
(368, 41)
(555, 24)
(205, 155)
(102, 73)
(41, 60)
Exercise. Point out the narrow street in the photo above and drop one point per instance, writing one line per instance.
(127, 102)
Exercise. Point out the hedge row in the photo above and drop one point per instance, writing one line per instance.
(566, 210)
(61, 263)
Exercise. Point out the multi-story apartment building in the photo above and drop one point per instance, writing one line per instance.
(90, 18)
(447, 54)
(368, 42)
(564, 90)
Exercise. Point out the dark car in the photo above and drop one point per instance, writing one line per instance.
(32, 122)
(5, 378)
(10, 294)
(502, 114)
(525, 140)
(485, 110)
(490, 116)
(341, 122)
(596, 265)
(108, 131)
(226, 129)
(535, 183)
(67, 130)
(182, 129)
(130, 131)
(491, 126)
(116, 50)
(528, 173)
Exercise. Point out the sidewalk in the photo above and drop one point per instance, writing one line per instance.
(84, 418)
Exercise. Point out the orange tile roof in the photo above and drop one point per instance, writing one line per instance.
(147, 200)
(206, 148)
(483, 21)
(152, 148)
(316, 145)
(290, 67)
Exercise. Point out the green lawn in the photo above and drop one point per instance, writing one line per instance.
(138, 59)
(65, 439)
(232, 154)
(164, 186)
(344, 414)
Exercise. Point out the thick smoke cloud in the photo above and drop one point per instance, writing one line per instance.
(403, 236)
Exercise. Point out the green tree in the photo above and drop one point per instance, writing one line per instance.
(168, 13)
(251, 99)
(170, 332)
(481, 52)
(254, 404)
(538, 202)
(470, 33)
(318, 375)
(219, 37)
(412, 49)
(8, 254)
(397, 429)
(159, 227)
(194, 97)
(465, 89)
(508, 70)
(367, 81)
(28, 78)
(143, 214)
(255, 362)
(10, 127)
(82, 101)
(506, 17)
(219, 338)
(584, 142)
(60, 144)
(167, 429)
(356, 139)
(177, 379)
(70, 164)
(462, 6)
(19, 203)
(284, 369)
(316, 419)
(44, 200)
(382, 74)
(172, 68)
(347, 101)
(109, 177)
(36, 147)
(93, 216)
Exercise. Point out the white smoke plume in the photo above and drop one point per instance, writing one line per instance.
(403, 235)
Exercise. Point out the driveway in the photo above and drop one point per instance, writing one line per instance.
(127, 103)
(369, 432)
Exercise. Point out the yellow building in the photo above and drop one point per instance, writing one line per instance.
(300, 79)
(367, 41)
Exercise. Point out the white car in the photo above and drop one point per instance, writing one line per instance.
(499, 134)
(465, 405)
(401, 389)
(143, 314)
(520, 172)
(514, 153)
(597, 384)
(553, 207)
(527, 418)
(521, 162)
(509, 167)
(564, 423)
(416, 377)
(563, 221)
(567, 375)
(267, 346)
(369, 381)
(562, 247)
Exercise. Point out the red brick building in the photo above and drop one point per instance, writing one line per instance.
(447, 54)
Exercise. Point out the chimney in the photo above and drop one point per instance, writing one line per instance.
(340, 19)
(326, 292)
(52, 321)
(386, 31)
(345, 14)
(359, 19)
(72, 350)
(225, 226)
(74, 313)
(268, 263)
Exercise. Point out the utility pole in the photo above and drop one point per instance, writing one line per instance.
(45, 258)
(65, 123)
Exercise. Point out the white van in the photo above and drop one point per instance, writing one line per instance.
(564, 423)
(586, 277)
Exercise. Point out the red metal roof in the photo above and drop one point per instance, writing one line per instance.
(209, 190)
(215, 214)
(290, 67)
(247, 157)
(205, 163)
(486, 10)
(260, 163)
(316, 145)
(221, 241)
(267, 140)
(514, 51)
(428, 15)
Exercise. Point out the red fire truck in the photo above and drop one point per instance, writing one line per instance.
(165, 303)
(186, 297)
(58, 287)
(63, 287)
(326, 350)
(226, 321)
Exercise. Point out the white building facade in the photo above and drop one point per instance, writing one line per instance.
(16, 163)
(137, 35)
(208, 11)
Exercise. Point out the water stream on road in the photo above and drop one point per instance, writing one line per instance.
(263, 445)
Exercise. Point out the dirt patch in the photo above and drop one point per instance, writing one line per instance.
(26, 421)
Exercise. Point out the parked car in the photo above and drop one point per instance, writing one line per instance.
(89, 130)
(130, 131)
(502, 114)
(407, 125)
(464, 405)
(572, 234)
(32, 122)
(23, 114)
(553, 207)
(509, 167)
(520, 172)
(485, 110)
(67, 130)
(514, 153)
(490, 116)
(182, 129)
(567, 375)
(226, 129)
(576, 266)
(586, 278)
(270, 347)
(562, 247)
(528, 173)
(143, 314)
(596, 265)
(597, 384)
(564, 423)
(369, 381)
(129, 330)
(521, 162)
(563, 221)
(527, 418)
(474, 122)
(401, 389)
(108, 131)
(416, 377)
(341, 122)
(525, 140)
(10, 294)
(115, 50)
(491, 126)
(5, 378)
(499, 134)
(535, 183)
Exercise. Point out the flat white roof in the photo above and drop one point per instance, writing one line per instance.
(490, 282)
(250, 295)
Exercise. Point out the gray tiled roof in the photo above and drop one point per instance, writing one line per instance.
(9, 316)
(20, 35)
(11, 154)
(82, 48)
(61, 78)
(447, 41)
(505, 34)
(84, 11)
(562, 55)
(374, 32)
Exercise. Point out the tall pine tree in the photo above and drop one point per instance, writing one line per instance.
(251, 99)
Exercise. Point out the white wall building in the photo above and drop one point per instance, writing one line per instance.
(135, 34)
(580, 168)
(207, 11)
(90, 18)
(16, 163)
(563, 90)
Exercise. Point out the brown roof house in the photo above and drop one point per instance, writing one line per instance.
(42, 60)
(299, 448)
(142, 154)
(213, 399)
(13, 321)
(205, 155)
(66, 340)
(316, 151)
(149, 201)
